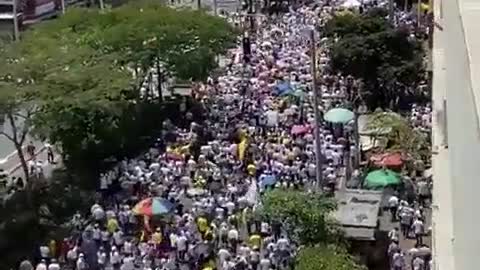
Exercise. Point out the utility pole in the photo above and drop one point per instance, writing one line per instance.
(391, 11)
(102, 6)
(251, 16)
(317, 95)
(62, 2)
(215, 7)
(16, 31)
(419, 13)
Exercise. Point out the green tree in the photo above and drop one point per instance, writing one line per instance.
(402, 137)
(352, 24)
(388, 61)
(326, 257)
(308, 217)
(18, 84)
(89, 68)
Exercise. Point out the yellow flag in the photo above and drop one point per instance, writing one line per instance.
(242, 147)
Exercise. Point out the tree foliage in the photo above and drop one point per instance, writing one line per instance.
(307, 217)
(83, 73)
(356, 24)
(388, 61)
(326, 257)
(402, 136)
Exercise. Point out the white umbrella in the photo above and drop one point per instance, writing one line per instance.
(195, 192)
(351, 4)
(267, 44)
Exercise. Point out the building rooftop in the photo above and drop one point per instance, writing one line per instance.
(358, 208)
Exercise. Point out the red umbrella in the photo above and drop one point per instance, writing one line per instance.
(300, 129)
(388, 159)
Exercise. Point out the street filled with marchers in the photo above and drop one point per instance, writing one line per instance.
(292, 154)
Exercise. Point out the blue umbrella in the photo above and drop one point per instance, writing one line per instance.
(161, 206)
(267, 180)
(283, 88)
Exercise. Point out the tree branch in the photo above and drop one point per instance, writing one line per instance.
(7, 136)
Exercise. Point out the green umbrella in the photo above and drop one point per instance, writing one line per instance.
(339, 116)
(382, 178)
(299, 94)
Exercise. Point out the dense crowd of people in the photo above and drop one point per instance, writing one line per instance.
(258, 134)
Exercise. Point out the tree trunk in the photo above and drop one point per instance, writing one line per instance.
(18, 142)
(23, 162)
(159, 81)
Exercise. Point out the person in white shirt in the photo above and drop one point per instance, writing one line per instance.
(223, 255)
(233, 238)
(115, 259)
(25, 265)
(418, 229)
(393, 206)
(81, 263)
(398, 261)
(393, 235)
(45, 252)
(283, 243)
(254, 257)
(97, 234)
(72, 255)
(54, 265)
(118, 238)
(128, 247)
(182, 246)
(101, 258)
(265, 263)
(41, 266)
(128, 263)
(98, 213)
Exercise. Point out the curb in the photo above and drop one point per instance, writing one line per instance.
(19, 165)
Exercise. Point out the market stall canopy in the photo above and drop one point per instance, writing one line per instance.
(153, 207)
(363, 128)
(382, 178)
(390, 160)
(369, 142)
(339, 116)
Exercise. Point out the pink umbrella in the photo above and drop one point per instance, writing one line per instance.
(300, 129)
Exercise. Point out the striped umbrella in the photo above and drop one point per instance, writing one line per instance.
(153, 207)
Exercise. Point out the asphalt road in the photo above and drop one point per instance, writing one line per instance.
(463, 139)
(7, 149)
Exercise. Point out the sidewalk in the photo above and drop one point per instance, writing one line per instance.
(442, 208)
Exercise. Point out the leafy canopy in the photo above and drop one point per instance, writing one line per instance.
(326, 257)
(83, 71)
(388, 61)
(353, 24)
(402, 136)
(307, 216)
